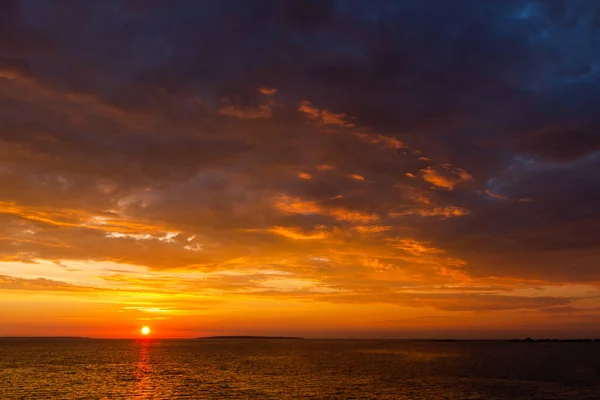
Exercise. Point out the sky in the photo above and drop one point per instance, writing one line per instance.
(341, 168)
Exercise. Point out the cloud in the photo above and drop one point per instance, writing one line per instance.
(372, 228)
(460, 302)
(267, 91)
(38, 284)
(299, 206)
(294, 233)
(323, 116)
(447, 178)
(412, 246)
(262, 111)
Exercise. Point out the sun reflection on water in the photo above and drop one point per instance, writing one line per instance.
(143, 375)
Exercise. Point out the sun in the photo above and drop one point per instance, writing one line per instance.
(145, 331)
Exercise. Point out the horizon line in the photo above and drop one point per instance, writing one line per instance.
(140, 338)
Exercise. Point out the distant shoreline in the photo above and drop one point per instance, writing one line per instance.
(250, 337)
(48, 337)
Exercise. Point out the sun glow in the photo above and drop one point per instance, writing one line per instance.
(145, 331)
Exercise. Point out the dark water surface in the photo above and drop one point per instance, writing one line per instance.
(287, 369)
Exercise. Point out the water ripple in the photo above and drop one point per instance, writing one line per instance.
(289, 369)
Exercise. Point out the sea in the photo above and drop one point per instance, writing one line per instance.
(296, 369)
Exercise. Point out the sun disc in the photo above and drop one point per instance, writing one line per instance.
(145, 330)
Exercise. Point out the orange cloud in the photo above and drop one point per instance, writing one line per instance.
(309, 110)
(372, 228)
(451, 211)
(77, 218)
(387, 141)
(424, 207)
(447, 178)
(40, 284)
(433, 177)
(305, 176)
(412, 246)
(325, 117)
(376, 264)
(391, 143)
(328, 118)
(462, 174)
(298, 234)
(267, 91)
(295, 205)
(335, 119)
(357, 177)
(342, 214)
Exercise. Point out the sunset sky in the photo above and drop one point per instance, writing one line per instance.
(349, 168)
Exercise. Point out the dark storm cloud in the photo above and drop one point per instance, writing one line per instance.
(470, 126)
